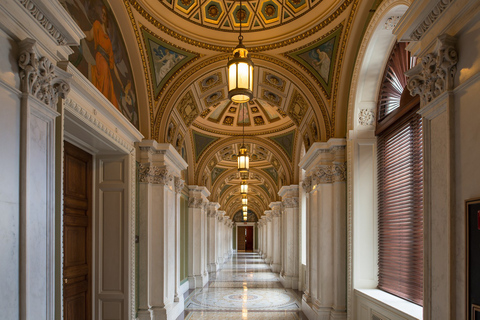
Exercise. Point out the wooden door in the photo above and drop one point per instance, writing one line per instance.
(77, 233)
(249, 239)
(241, 239)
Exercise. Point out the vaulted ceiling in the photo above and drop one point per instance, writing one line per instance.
(303, 52)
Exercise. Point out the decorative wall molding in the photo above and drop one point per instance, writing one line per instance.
(38, 76)
(329, 173)
(133, 214)
(391, 23)
(196, 203)
(422, 28)
(32, 8)
(154, 174)
(434, 75)
(74, 107)
(366, 117)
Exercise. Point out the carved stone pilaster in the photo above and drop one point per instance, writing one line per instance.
(154, 174)
(328, 174)
(434, 75)
(38, 76)
(179, 184)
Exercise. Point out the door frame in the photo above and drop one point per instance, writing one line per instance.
(245, 224)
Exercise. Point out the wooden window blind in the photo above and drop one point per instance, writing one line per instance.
(400, 209)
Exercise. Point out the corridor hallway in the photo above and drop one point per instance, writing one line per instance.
(244, 288)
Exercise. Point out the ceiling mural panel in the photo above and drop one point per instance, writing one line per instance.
(272, 173)
(188, 108)
(319, 58)
(216, 172)
(164, 59)
(102, 56)
(201, 142)
(286, 141)
(297, 108)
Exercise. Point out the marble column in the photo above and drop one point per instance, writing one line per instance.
(290, 218)
(197, 240)
(275, 264)
(264, 237)
(325, 297)
(259, 228)
(42, 83)
(159, 237)
(269, 220)
(212, 236)
(433, 81)
(219, 237)
(228, 237)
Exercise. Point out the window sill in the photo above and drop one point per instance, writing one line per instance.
(392, 303)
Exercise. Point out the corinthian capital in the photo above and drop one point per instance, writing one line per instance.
(154, 174)
(179, 184)
(290, 202)
(434, 75)
(329, 173)
(38, 75)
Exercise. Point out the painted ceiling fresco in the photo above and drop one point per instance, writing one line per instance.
(299, 49)
(225, 15)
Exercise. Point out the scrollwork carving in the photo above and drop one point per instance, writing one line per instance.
(179, 185)
(38, 77)
(290, 202)
(430, 19)
(435, 73)
(196, 203)
(307, 184)
(366, 117)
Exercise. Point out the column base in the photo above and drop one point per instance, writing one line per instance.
(276, 267)
(268, 260)
(264, 256)
(290, 282)
(169, 312)
(213, 267)
(312, 311)
(143, 315)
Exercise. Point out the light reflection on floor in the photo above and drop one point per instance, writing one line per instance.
(244, 288)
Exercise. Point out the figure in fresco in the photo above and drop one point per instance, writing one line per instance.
(165, 60)
(323, 64)
(104, 59)
(102, 56)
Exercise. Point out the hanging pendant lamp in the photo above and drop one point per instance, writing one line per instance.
(240, 69)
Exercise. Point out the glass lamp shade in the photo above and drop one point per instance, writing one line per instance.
(244, 213)
(244, 187)
(244, 201)
(243, 160)
(245, 208)
(240, 75)
(244, 218)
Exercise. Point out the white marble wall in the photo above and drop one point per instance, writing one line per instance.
(277, 236)
(213, 230)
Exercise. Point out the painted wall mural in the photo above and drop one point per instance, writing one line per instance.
(319, 57)
(102, 56)
(164, 59)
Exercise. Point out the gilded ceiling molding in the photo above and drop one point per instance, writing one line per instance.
(246, 134)
(276, 45)
(340, 60)
(278, 152)
(146, 72)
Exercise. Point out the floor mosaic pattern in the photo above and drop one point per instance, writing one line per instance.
(244, 288)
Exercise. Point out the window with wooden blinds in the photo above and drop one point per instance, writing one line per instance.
(400, 209)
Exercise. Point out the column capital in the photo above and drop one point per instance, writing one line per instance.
(276, 208)
(198, 197)
(289, 196)
(212, 209)
(434, 74)
(220, 214)
(323, 153)
(161, 155)
(179, 185)
(149, 173)
(40, 77)
(268, 215)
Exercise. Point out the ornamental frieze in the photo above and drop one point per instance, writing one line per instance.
(290, 202)
(329, 173)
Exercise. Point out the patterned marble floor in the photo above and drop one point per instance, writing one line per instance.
(244, 288)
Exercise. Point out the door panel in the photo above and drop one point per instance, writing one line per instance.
(241, 238)
(249, 239)
(77, 233)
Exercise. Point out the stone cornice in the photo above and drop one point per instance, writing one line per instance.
(429, 20)
(40, 77)
(434, 75)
